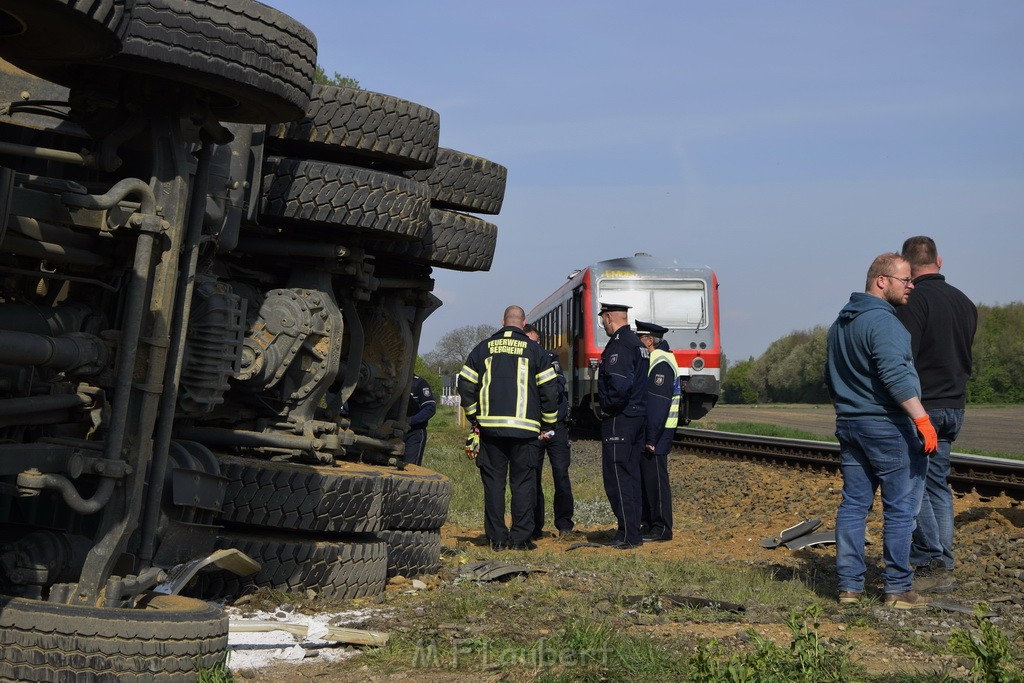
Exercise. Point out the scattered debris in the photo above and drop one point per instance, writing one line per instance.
(801, 529)
(491, 570)
(337, 634)
(684, 601)
(585, 544)
(820, 538)
(257, 639)
(946, 606)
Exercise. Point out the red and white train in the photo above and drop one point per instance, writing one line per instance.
(683, 299)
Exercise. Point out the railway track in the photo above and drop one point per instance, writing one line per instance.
(989, 476)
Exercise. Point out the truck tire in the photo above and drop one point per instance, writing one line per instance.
(257, 62)
(346, 498)
(57, 32)
(349, 125)
(168, 638)
(335, 569)
(412, 553)
(318, 194)
(454, 241)
(464, 182)
(415, 498)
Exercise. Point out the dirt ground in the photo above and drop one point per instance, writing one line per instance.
(724, 508)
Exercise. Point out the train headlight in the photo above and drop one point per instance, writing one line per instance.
(697, 364)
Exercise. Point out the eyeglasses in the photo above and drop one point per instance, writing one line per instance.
(905, 280)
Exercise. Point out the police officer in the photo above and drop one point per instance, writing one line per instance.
(621, 393)
(510, 395)
(422, 407)
(663, 393)
(558, 451)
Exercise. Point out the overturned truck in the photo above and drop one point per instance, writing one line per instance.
(214, 276)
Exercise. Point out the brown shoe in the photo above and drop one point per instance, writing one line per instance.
(908, 600)
(849, 598)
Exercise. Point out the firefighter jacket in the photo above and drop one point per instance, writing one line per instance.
(622, 380)
(422, 404)
(663, 392)
(508, 386)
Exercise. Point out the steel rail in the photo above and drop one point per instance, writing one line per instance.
(985, 474)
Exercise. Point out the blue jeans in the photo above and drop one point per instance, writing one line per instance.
(933, 538)
(873, 454)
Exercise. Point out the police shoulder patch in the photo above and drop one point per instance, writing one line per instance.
(426, 392)
(613, 359)
(659, 380)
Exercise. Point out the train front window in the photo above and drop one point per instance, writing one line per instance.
(675, 304)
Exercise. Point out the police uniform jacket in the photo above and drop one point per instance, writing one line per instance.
(508, 386)
(663, 393)
(422, 404)
(622, 381)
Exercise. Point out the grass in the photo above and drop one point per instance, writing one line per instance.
(593, 616)
(761, 429)
(445, 453)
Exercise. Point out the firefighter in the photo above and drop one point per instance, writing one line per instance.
(621, 394)
(422, 407)
(510, 396)
(558, 451)
(663, 393)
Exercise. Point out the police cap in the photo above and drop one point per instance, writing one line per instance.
(651, 329)
(613, 308)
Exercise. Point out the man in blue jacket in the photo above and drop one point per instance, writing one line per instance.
(663, 393)
(876, 392)
(422, 407)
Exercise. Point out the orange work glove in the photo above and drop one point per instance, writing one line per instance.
(931, 439)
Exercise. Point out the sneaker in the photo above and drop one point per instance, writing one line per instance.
(849, 598)
(908, 600)
(934, 578)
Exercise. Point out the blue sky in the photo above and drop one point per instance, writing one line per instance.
(785, 144)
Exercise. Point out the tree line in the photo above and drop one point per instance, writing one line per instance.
(791, 370)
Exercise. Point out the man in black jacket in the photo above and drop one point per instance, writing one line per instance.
(558, 451)
(942, 322)
(510, 395)
(621, 392)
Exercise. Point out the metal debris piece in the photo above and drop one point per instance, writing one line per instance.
(338, 634)
(801, 529)
(946, 606)
(584, 544)
(230, 559)
(492, 570)
(820, 538)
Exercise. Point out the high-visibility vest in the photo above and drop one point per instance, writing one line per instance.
(660, 356)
